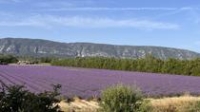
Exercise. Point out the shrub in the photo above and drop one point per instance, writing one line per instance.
(17, 99)
(121, 98)
(194, 107)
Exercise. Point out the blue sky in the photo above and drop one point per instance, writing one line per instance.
(170, 23)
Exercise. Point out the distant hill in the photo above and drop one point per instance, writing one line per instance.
(38, 47)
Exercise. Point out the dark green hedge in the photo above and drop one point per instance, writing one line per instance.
(147, 64)
(6, 59)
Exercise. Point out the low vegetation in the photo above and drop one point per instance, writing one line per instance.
(167, 104)
(147, 64)
(125, 99)
(118, 98)
(6, 59)
(184, 103)
(17, 99)
(34, 60)
(121, 98)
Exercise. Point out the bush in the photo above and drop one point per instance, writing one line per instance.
(17, 99)
(194, 107)
(121, 98)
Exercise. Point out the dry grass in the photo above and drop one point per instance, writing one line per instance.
(167, 104)
(173, 100)
(79, 105)
(174, 104)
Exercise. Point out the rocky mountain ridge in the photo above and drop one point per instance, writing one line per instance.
(38, 47)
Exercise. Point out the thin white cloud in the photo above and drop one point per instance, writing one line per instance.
(54, 4)
(169, 13)
(22, 23)
(16, 0)
(33, 21)
(82, 22)
(121, 9)
(11, 1)
(112, 9)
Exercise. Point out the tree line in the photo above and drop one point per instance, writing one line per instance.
(147, 64)
(6, 59)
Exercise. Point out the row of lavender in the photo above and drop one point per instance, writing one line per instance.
(89, 82)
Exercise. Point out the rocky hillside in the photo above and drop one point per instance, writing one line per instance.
(37, 47)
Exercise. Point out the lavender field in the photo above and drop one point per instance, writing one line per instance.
(89, 82)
